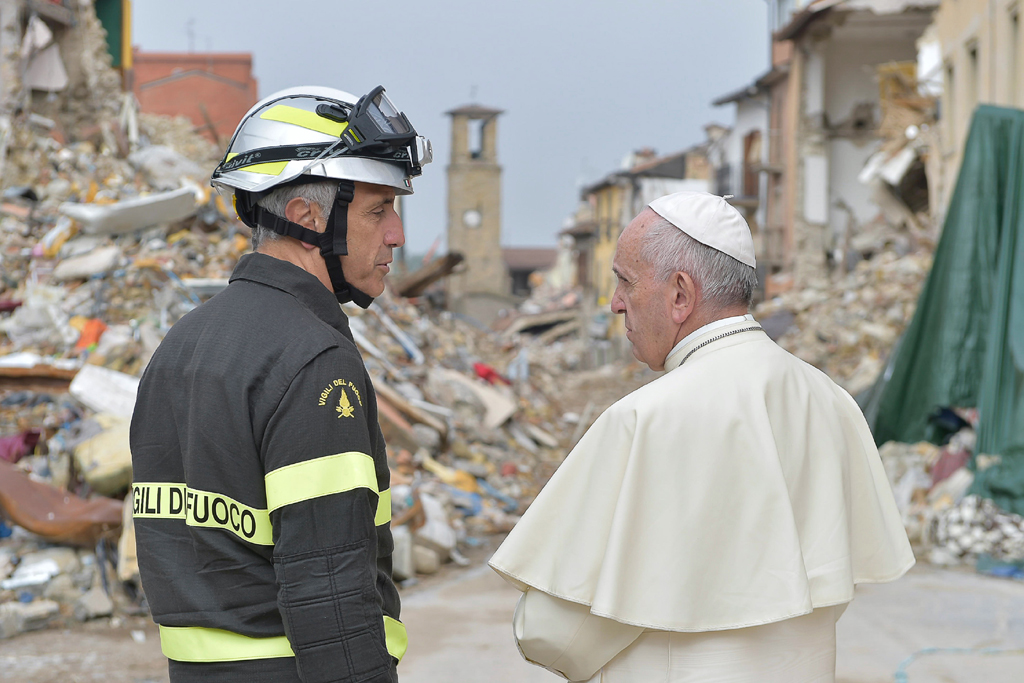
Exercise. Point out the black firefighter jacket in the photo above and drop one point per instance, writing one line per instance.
(261, 498)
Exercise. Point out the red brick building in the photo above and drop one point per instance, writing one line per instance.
(213, 89)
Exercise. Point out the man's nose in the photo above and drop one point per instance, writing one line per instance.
(394, 235)
(618, 306)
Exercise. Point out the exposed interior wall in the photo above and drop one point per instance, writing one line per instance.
(852, 110)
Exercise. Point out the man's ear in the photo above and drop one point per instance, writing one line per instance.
(299, 210)
(683, 291)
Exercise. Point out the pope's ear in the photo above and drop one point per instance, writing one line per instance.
(684, 296)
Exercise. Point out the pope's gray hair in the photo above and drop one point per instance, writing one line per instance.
(723, 282)
(322, 194)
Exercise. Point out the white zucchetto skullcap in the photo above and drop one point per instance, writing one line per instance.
(710, 220)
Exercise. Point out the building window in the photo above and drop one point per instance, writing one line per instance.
(476, 138)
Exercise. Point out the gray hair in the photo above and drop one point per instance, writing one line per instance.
(723, 282)
(322, 194)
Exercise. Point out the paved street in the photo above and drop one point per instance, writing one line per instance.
(933, 608)
(460, 632)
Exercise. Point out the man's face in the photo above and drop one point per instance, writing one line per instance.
(374, 230)
(644, 298)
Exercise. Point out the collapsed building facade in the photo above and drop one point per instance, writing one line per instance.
(825, 116)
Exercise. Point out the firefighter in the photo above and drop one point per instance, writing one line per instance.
(261, 498)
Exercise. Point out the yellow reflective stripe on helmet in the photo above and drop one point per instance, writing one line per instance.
(269, 168)
(320, 477)
(197, 644)
(230, 156)
(395, 637)
(383, 515)
(306, 119)
(202, 509)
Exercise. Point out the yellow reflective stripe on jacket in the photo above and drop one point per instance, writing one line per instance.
(306, 119)
(158, 501)
(197, 644)
(383, 515)
(395, 637)
(202, 509)
(320, 477)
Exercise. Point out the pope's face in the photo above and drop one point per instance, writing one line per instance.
(374, 230)
(643, 298)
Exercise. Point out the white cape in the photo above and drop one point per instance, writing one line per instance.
(741, 488)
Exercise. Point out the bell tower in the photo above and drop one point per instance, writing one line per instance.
(474, 213)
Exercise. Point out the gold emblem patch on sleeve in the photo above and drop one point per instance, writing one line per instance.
(345, 407)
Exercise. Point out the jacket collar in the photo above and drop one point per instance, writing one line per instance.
(289, 278)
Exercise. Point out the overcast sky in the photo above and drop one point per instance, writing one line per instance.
(582, 82)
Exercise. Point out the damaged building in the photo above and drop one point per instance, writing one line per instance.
(825, 115)
(64, 61)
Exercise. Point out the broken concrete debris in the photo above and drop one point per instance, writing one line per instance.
(132, 215)
(93, 605)
(18, 617)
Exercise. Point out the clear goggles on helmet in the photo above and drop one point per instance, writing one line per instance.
(377, 128)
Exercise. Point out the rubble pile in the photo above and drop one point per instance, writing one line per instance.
(948, 526)
(100, 252)
(848, 326)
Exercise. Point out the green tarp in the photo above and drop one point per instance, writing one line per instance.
(965, 344)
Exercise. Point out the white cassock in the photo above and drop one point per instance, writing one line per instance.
(710, 526)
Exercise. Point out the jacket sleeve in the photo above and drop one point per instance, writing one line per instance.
(565, 638)
(324, 496)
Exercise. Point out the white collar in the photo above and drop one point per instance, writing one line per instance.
(713, 325)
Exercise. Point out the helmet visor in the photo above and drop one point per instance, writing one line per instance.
(386, 115)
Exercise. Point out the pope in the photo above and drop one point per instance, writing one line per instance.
(712, 525)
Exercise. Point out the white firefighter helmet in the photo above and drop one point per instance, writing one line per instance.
(302, 134)
(322, 132)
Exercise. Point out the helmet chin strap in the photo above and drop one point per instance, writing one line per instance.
(333, 241)
(334, 245)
